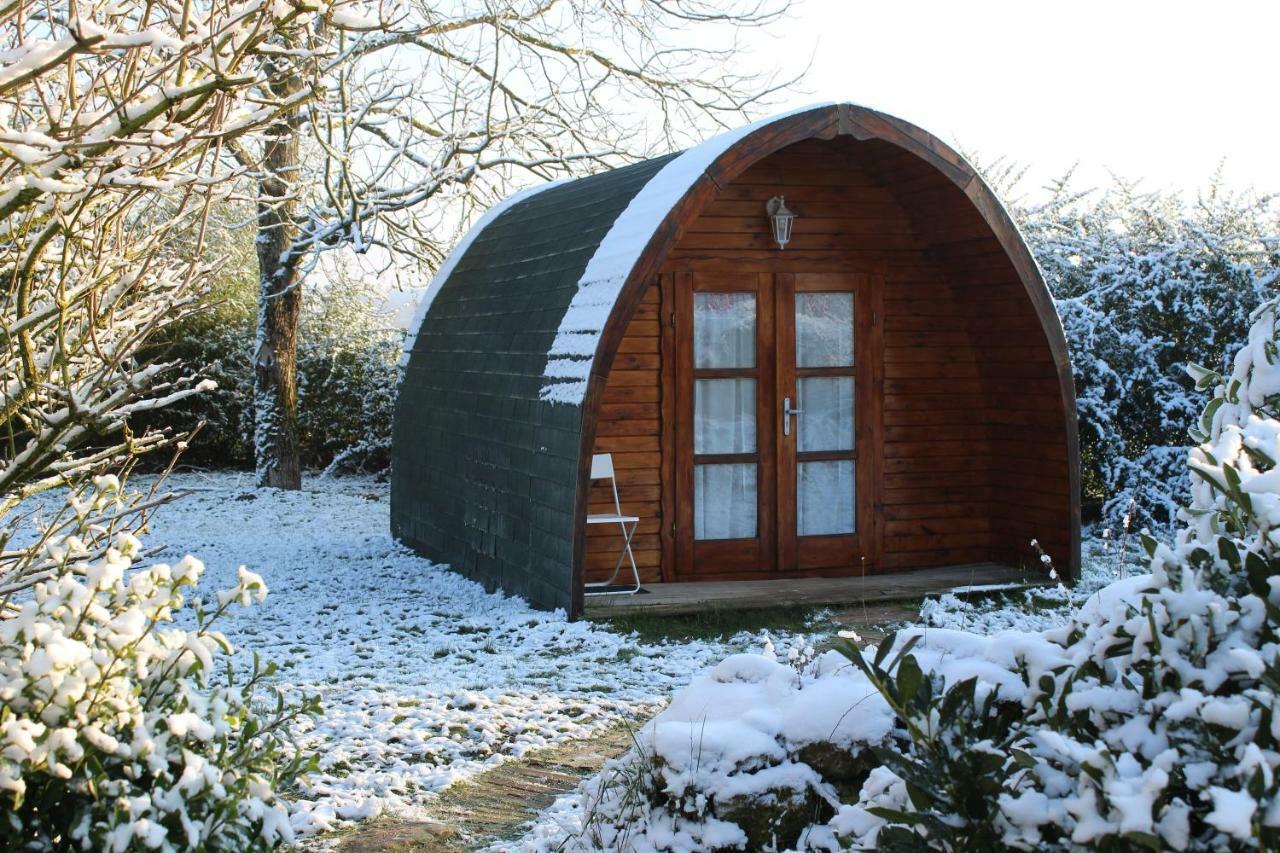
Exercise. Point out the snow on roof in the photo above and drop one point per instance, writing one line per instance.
(572, 352)
(571, 356)
(569, 361)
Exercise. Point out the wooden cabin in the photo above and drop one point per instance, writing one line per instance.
(889, 391)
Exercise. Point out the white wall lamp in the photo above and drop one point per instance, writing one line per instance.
(780, 218)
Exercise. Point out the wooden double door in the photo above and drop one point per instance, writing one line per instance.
(776, 424)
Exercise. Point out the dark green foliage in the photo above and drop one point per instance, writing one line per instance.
(957, 752)
(347, 369)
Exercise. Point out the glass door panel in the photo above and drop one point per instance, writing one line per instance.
(818, 465)
(825, 498)
(827, 406)
(725, 406)
(724, 416)
(724, 501)
(724, 330)
(824, 329)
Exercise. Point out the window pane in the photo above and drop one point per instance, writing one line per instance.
(824, 498)
(724, 416)
(724, 330)
(824, 329)
(826, 422)
(724, 501)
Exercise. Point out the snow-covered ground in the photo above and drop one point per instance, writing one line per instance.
(425, 678)
(985, 611)
(1104, 560)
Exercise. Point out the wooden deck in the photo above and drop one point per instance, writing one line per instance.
(819, 592)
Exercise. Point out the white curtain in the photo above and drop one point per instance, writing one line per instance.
(724, 330)
(827, 419)
(824, 498)
(724, 501)
(724, 416)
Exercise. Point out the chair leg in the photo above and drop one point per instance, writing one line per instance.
(635, 571)
(617, 567)
(625, 554)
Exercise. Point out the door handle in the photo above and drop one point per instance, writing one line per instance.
(787, 412)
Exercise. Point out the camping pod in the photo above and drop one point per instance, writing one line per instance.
(816, 346)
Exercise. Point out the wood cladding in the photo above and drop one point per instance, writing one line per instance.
(630, 428)
(976, 459)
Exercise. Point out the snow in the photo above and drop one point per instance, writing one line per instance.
(1232, 812)
(986, 587)
(733, 735)
(601, 282)
(425, 678)
(740, 727)
(1037, 608)
(1125, 592)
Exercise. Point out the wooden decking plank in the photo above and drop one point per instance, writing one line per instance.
(900, 586)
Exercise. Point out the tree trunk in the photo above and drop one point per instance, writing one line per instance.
(275, 392)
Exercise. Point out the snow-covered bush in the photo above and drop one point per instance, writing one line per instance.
(749, 756)
(116, 120)
(1149, 720)
(119, 731)
(1146, 283)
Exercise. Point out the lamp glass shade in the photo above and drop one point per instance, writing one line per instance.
(780, 218)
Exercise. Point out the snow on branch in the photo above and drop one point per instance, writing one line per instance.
(114, 123)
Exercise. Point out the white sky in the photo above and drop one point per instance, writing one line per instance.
(1161, 92)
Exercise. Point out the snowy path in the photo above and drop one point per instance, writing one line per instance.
(425, 678)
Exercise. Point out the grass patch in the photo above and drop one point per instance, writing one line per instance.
(717, 622)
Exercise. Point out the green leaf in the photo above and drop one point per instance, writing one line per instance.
(1258, 571)
(906, 648)
(886, 645)
(909, 678)
(1229, 553)
(1233, 391)
(919, 797)
(1203, 376)
(1204, 429)
(1023, 758)
(1146, 839)
(1232, 477)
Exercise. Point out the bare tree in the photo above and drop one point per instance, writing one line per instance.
(113, 120)
(428, 115)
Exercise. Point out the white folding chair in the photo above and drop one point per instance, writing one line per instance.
(602, 469)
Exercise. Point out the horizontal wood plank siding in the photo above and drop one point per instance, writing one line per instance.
(974, 450)
(630, 428)
(1005, 378)
(850, 220)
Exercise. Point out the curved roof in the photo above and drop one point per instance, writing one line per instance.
(663, 184)
(668, 180)
(513, 339)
